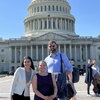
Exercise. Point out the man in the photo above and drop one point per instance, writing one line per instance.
(53, 61)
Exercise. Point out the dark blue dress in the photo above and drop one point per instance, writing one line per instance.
(44, 85)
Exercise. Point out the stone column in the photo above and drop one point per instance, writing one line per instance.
(75, 54)
(25, 28)
(86, 53)
(47, 23)
(93, 53)
(70, 49)
(42, 24)
(36, 52)
(59, 48)
(47, 50)
(20, 54)
(68, 25)
(56, 23)
(80, 52)
(10, 58)
(42, 52)
(71, 26)
(10, 54)
(65, 48)
(52, 23)
(31, 51)
(61, 24)
(33, 24)
(65, 25)
(38, 21)
(15, 54)
(29, 26)
(26, 50)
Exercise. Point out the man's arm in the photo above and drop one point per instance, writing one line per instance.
(70, 77)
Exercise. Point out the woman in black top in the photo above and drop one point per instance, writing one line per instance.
(44, 84)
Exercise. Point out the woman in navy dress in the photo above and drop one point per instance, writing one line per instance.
(44, 84)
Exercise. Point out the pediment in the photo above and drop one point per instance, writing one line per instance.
(50, 36)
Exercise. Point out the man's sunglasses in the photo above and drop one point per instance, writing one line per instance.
(52, 46)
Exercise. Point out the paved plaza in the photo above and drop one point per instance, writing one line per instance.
(5, 83)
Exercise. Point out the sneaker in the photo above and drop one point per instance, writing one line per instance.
(89, 95)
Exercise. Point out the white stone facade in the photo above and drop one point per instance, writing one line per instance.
(48, 20)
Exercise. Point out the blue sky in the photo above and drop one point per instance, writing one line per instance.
(13, 12)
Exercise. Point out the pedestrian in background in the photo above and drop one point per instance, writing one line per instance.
(96, 78)
(89, 77)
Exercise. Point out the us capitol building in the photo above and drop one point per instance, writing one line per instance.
(48, 20)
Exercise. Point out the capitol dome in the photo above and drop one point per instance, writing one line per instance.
(46, 16)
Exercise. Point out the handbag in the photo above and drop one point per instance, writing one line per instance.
(75, 75)
(70, 91)
(64, 90)
(61, 86)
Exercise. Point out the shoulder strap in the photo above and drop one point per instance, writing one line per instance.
(61, 66)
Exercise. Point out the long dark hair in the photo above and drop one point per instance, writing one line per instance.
(27, 57)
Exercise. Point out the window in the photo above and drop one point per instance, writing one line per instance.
(63, 9)
(37, 9)
(59, 24)
(49, 8)
(41, 8)
(41, 24)
(53, 8)
(2, 50)
(99, 48)
(45, 24)
(60, 8)
(99, 57)
(2, 60)
(56, 8)
(49, 26)
(54, 25)
(45, 7)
